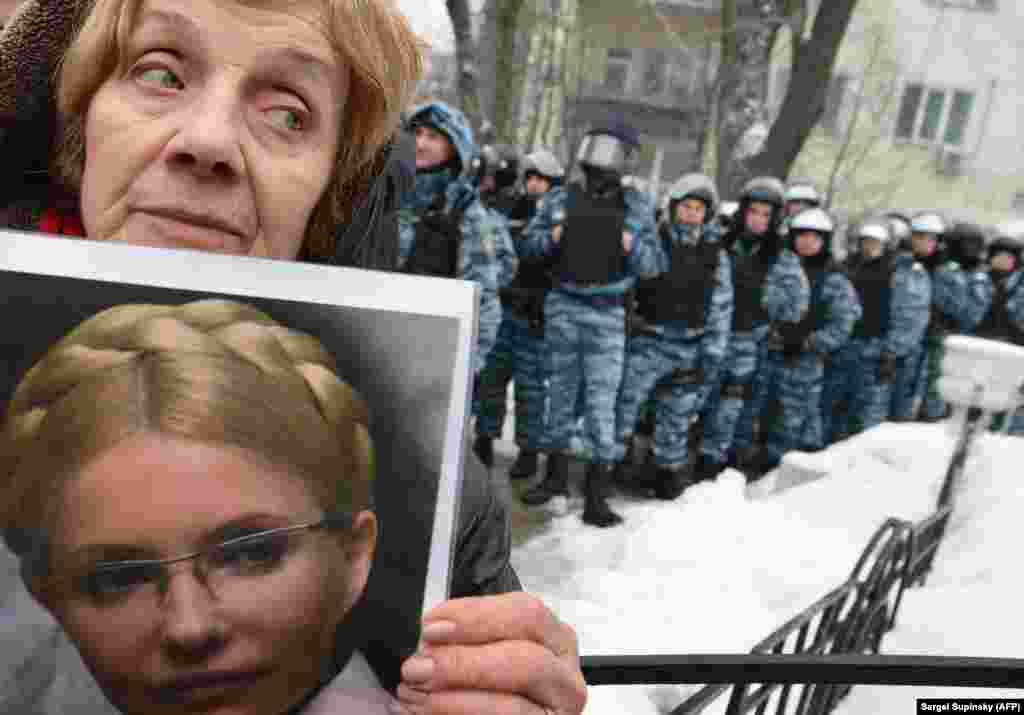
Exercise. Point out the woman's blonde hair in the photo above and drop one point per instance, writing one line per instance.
(371, 37)
(212, 371)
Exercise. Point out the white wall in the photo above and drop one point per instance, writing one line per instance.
(977, 51)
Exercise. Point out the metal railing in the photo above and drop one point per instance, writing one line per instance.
(809, 663)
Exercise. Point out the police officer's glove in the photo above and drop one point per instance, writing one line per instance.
(441, 222)
(887, 368)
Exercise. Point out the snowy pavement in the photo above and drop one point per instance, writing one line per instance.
(721, 567)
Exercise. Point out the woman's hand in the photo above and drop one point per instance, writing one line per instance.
(495, 655)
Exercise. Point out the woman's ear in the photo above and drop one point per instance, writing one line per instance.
(358, 549)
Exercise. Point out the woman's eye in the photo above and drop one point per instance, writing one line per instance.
(162, 77)
(291, 120)
(103, 584)
(261, 553)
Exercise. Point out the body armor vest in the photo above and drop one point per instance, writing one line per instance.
(873, 283)
(684, 292)
(591, 244)
(749, 275)
(817, 313)
(998, 325)
(435, 250)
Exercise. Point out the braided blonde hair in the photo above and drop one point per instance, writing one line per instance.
(214, 371)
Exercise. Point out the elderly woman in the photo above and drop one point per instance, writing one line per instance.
(211, 524)
(263, 129)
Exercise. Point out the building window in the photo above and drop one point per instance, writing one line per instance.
(933, 115)
(980, 5)
(616, 76)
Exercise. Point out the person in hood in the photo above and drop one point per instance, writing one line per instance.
(795, 362)
(949, 300)
(895, 311)
(444, 229)
(769, 286)
(268, 131)
(599, 238)
(686, 314)
(1005, 319)
(518, 354)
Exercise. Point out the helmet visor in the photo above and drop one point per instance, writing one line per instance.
(604, 152)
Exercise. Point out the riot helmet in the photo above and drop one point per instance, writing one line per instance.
(874, 238)
(899, 226)
(541, 164)
(815, 221)
(927, 236)
(1005, 245)
(692, 186)
(966, 244)
(801, 195)
(764, 190)
(609, 150)
(506, 169)
(727, 214)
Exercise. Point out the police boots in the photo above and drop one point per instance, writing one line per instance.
(555, 483)
(596, 511)
(483, 447)
(672, 481)
(525, 465)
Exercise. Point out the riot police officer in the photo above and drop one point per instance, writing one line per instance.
(519, 352)
(444, 230)
(685, 316)
(895, 306)
(769, 286)
(599, 236)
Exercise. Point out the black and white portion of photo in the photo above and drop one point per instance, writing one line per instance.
(403, 343)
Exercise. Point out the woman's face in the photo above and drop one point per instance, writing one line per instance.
(261, 627)
(219, 131)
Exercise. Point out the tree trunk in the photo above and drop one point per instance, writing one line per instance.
(804, 102)
(748, 33)
(513, 28)
(467, 72)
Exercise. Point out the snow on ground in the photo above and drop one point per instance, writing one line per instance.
(724, 565)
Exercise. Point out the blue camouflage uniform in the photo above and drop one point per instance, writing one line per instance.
(584, 326)
(950, 310)
(518, 356)
(895, 305)
(796, 366)
(783, 297)
(677, 348)
(1005, 321)
(979, 294)
(481, 233)
(904, 392)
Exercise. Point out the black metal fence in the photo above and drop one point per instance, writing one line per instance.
(810, 662)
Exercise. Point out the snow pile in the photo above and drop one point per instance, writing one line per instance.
(969, 604)
(723, 566)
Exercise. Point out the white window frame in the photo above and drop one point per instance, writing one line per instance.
(949, 91)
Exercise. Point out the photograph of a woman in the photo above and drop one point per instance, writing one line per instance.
(188, 488)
